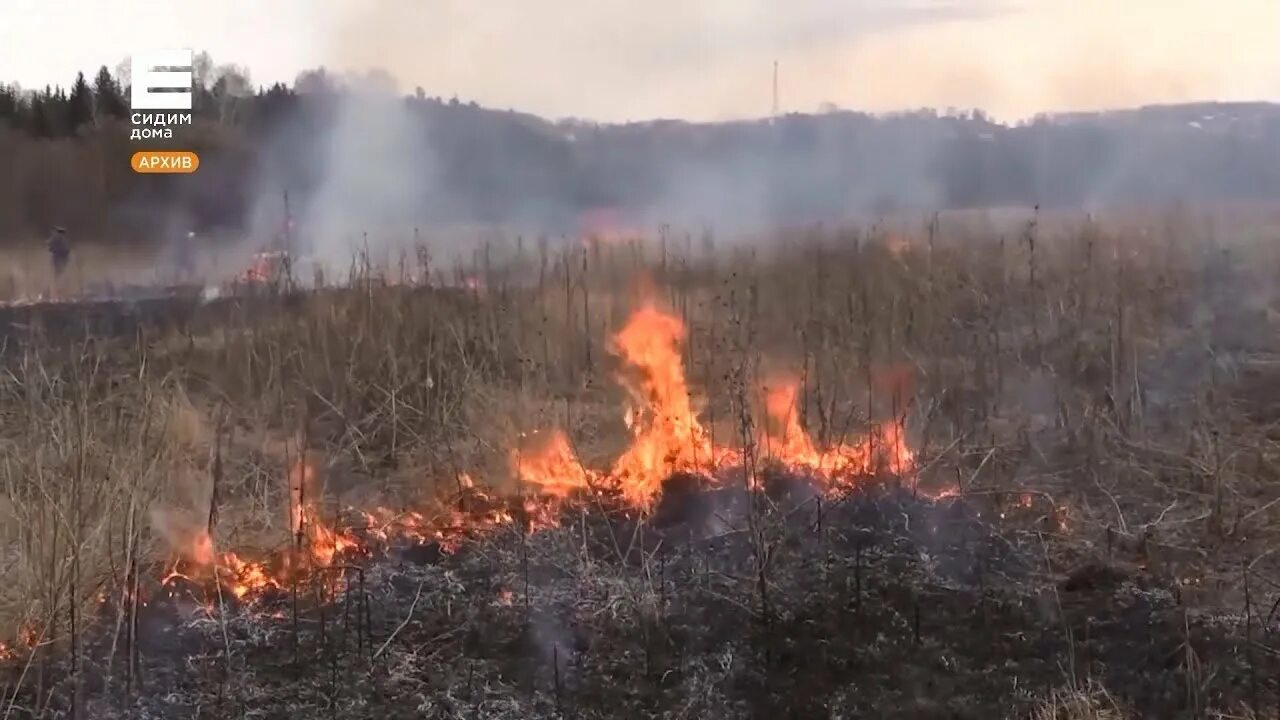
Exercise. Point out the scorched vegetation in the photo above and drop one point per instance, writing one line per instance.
(842, 475)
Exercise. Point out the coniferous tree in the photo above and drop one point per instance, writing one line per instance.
(229, 91)
(79, 105)
(109, 98)
(40, 125)
(10, 105)
(55, 111)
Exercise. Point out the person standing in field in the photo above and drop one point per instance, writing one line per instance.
(59, 254)
(186, 257)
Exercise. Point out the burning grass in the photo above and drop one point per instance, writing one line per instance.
(668, 440)
(785, 474)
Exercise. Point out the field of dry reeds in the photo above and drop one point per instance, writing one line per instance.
(321, 504)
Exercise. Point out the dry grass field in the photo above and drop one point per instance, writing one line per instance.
(946, 471)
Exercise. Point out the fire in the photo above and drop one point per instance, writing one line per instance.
(246, 578)
(264, 268)
(787, 442)
(668, 437)
(474, 283)
(202, 549)
(552, 468)
(25, 641)
(259, 270)
(898, 245)
(308, 529)
(302, 479)
(199, 563)
(195, 556)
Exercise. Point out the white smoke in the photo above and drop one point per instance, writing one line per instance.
(377, 176)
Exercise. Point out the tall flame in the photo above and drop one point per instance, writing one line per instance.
(785, 438)
(667, 438)
(667, 435)
(306, 526)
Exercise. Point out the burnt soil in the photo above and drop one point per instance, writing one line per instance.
(882, 604)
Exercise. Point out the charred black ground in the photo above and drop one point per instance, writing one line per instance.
(1097, 469)
(876, 604)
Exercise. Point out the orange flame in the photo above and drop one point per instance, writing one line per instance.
(667, 435)
(552, 468)
(199, 563)
(321, 542)
(667, 438)
(898, 245)
(265, 267)
(790, 445)
(25, 640)
(202, 549)
(787, 439)
(259, 271)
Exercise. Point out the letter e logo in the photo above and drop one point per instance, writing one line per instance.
(162, 80)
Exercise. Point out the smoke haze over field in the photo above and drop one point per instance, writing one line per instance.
(369, 160)
(377, 168)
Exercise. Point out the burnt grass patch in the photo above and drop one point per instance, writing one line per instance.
(1116, 462)
(878, 604)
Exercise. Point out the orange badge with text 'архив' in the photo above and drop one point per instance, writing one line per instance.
(165, 161)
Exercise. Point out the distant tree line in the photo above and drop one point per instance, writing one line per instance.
(67, 150)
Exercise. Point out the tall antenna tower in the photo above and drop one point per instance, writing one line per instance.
(775, 90)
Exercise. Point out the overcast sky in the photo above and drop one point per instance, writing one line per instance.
(620, 60)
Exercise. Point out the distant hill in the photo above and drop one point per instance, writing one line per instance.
(421, 161)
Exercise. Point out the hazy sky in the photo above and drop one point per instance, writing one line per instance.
(699, 59)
